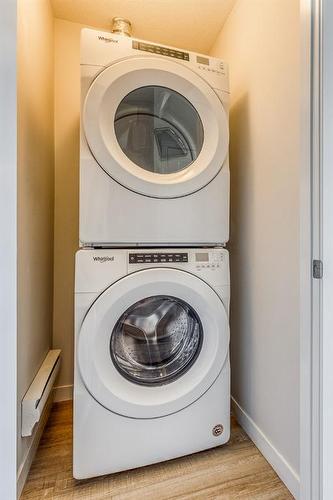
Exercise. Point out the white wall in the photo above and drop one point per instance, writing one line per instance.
(8, 242)
(35, 195)
(260, 41)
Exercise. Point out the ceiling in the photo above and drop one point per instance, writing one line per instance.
(189, 24)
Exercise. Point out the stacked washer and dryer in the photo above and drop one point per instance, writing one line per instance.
(152, 290)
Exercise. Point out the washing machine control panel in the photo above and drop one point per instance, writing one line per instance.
(208, 263)
(148, 258)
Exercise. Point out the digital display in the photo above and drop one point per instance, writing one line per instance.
(147, 258)
(202, 257)
(162, 51)
(203, 60)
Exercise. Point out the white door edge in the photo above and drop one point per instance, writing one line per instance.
(8, 250)
(314, 232)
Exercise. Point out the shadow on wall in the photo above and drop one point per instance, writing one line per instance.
(66, 243)
(241, 221)
(35, 240)
(35, 171)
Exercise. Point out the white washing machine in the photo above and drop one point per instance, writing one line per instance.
(154, 144)
(152, 371)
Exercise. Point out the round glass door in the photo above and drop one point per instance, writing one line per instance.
(156, 340)
(158, 129)
(153, 343)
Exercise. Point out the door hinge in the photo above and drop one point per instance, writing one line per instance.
(317, 269)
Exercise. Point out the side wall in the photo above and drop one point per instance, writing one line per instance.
(8, 246)
(260, 41)
(35, 196)
(66, 229)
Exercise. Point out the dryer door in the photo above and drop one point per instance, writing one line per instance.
(153, 343)
(156, 127)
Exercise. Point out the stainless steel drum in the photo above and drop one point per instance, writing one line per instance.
(156, 340)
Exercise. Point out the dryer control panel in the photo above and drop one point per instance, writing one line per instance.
(160, 50)
(148, 258)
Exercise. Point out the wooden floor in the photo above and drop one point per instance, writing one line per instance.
(233, 471)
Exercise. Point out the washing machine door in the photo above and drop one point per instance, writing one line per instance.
(153, 343)
(156, 127)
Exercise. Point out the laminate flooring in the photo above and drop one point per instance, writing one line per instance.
(236, 470)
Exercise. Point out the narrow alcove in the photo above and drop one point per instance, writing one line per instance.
(260, 43)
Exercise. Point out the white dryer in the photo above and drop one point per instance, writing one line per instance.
(152, 370)
(154, 144)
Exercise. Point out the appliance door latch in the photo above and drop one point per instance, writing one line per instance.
(317, 269)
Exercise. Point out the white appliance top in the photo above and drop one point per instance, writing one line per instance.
(99, 48)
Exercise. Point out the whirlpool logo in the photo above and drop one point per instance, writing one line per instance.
(104, 259)
(107, 40)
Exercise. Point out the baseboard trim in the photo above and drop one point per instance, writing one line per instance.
(24, 468)
(276, 460)
(63, 393)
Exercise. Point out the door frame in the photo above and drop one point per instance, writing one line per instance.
(316, 313)
(326, 224)
(8, 249)
(308, 295)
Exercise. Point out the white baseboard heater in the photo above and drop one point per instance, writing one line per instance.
(37, 395)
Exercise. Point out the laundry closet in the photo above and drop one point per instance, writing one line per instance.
(259, 41)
